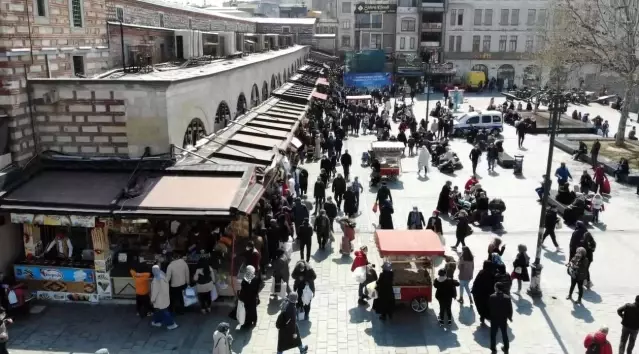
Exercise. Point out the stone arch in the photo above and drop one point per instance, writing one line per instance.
(194, 132)
(506, 74)
(481, 67)
(273, 83)
(222, 116)
(264, 91)
(532, 76)
(241, 107)
(255, 96)
(279, 79)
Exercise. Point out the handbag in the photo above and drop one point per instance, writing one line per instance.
(301, 315)
(190, 296)
(241, 312)
(518, 270)
(214, 294)
(282, 294)
(375, 208)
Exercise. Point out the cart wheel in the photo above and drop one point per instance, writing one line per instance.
(419, 304)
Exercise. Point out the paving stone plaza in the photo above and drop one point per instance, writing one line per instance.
(337, 324)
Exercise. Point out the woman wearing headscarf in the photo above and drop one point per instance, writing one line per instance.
(204, 279)
(161, 300)
(222, 339)
(248, 295)
(520, 267)
(385, 302)
(578, 271)
(386, 215)
(423, 160)
(483, 287)
(303, 275)
(443, 203)
(288, 334)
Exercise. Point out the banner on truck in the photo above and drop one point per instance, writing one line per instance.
(367, 80)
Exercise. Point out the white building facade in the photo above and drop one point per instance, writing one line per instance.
(346, 25)
(496, 37)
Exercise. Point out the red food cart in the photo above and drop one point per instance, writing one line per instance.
(389, 154)
(413, 254)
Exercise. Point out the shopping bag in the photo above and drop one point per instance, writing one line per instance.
(240, 313)
(560, 224)
(307, 295)
(190, 296)
(371, 290)
(283, 293)
(13, 299)
(518, 270)
(300, 314)
(288, 247)
(375, 208)
(360, 274)
(273, 288)
(214, 294)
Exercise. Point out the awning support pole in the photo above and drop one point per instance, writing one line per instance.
(195, 154)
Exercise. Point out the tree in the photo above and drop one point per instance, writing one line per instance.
(604, 33)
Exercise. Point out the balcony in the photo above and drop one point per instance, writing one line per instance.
(433, 5)
(431, 27)
(430, 44)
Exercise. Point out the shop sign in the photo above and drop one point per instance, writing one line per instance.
(54, 220)
(72, 275)
(488, 56)
(104, 285)
(66, 297)
(363, 8)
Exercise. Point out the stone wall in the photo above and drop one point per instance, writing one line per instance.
(145, 13)
(82, 122)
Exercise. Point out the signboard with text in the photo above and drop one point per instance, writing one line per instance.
(367, 80)
(363, 8)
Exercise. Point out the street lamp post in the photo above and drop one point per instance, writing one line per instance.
(427, 90)
(556, 107)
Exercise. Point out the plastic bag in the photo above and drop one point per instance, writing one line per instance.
(360, 274)
(301, 315)
(240, 313)
(560, 224)
(371, 290)
(214, 294)
(307, 295)
(288, 247)
(190, 296)
(283, 293)
(13, 299)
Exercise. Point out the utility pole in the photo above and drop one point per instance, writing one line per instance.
(427, 90)
(556, 108)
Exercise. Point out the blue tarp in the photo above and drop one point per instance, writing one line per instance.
(369, 80)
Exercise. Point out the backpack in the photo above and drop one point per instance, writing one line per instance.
(594, 348)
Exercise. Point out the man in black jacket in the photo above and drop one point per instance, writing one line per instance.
(331, 210)
(319, 192)
(550, 223)
(435, 223)
(339, 187)
(346, 162)
(415, 220)
(325, 164)
(322, 229)
(383, 193)
(305, 237)
(501, 311)
(474, 155)
(492, 154)
(303, 181)
(594, 152)
(629, 314)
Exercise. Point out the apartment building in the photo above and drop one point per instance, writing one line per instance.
(346, 25)
(432, 28)
(496, 37)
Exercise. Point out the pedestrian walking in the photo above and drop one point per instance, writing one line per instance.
(319, 192)
(338, 188)
(474, 156)
(361, 260)
(416, 220)
(483, 287)
(288, 334)
(520, 267)
(248, 294)
(178, 275)
(501, 311)
(142, 299)
(222, 339)
(551, 221)
(463, 228)
(161, 300)
(322, 229)
(629, 314)
(331, 210)
(384, 304)
(281, 273)
(597, 343)
(445, 293)
(521, 133)
(305, 238)
(423, 160)
(466, 267)
(578, 271)
(304, 276)
(204, 279)
(346, 160)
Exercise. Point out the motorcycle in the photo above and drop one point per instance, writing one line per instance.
(450, 166)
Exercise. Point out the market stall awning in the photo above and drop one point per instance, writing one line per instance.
(66, 191)
(408, 243)
(360, 97)
(194, 195)
(322, 81)
(319, 96)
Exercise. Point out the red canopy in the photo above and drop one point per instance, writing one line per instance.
(322, 81)
(408, 243)
(319, 96)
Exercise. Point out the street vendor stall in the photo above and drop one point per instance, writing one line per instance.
(363, 98)
(413, 255)
(389, 155)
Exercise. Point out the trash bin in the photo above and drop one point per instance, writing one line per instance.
(519, 164)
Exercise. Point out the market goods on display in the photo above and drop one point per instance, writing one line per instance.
(411, 274)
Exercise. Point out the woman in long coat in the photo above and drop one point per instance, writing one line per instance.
(288, 334)
(350, 202)
(385, 302)
(483, 287)
(443, 203)
(386, 215)
(248, 295)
